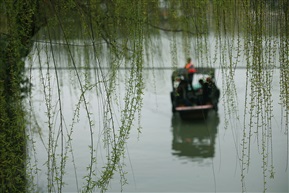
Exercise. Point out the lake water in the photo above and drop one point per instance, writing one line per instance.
(169, 155)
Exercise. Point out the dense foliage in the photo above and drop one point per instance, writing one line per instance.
(250, 32)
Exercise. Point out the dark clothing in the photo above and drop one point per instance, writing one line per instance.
(183, 97)
(190, 79)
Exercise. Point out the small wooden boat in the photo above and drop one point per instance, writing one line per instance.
(194, 101)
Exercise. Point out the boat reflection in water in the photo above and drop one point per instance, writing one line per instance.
(195, 139)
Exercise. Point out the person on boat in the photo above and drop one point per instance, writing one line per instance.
(182, 97)
(206, 91)
(191, 71)
(214, 92)
(213, 87)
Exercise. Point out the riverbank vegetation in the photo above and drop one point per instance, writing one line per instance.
(118, 34)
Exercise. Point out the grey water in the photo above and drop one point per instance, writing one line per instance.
(169, 155)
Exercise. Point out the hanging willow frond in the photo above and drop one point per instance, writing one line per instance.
(120, 34)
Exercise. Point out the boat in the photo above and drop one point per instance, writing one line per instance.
(196, 100)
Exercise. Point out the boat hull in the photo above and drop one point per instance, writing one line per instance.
(194, 112)
(194, 101)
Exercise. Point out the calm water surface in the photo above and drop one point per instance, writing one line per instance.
(169, 155)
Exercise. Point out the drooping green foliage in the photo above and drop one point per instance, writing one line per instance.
(118, 34)
(15, 44)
